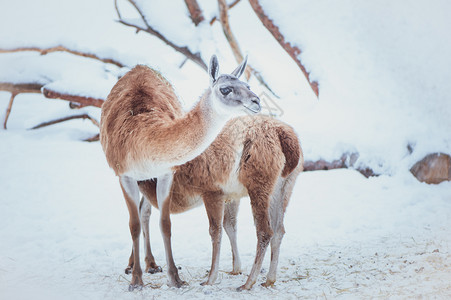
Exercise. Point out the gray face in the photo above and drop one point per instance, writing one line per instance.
(235, 93)
(232, 92)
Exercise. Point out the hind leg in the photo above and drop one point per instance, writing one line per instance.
(280, 198)
(276, 213)
(151, 266)
(145, 210)
(275, 251)
(260, 209)
(230, 217)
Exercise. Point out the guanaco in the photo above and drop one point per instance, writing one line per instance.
(259, 157)
(145, 134)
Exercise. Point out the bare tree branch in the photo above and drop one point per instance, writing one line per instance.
(82, 100)
(194, 11)
(19, 88)
(224, 18)
(8, 109)
(293, 51)
(64, 49)
(230, 6)
(94, 138)
(83, 116)
(195, 57)
(16, 89)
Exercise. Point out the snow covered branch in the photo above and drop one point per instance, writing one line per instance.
(64, 49)
(231, 5)
(194, 11)
(293, 51)
(20, 88)
(82, 100)
(347, 160)
(145, 26)
(16, 89)
(224, 19)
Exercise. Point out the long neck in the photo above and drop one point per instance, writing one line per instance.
(161, 145)
(199, 128)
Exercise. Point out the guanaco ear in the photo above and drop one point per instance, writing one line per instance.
(240, 69)
(213, 69)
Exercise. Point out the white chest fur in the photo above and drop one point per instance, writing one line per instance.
(232, 187)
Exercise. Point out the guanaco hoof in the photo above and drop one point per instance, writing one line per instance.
(157, 269)
(235, 273)
(268, 284)
(241, 288)
(133, 287)
(180, 283)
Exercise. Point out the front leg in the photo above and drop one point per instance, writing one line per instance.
(164, 184)
(144, 214)
(214, 205)
(131, 195)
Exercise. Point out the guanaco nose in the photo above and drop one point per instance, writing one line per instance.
(255, 105)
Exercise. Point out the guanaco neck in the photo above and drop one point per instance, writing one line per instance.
(200, 127)
(177, 142)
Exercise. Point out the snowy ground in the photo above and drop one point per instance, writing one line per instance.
(64, 229)
(383, 69)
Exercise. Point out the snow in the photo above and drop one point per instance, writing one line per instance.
(64, 231)
(385, 64)
(55, 71)
(382, 68)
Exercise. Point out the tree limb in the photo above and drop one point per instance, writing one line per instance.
(83, 116)
(195, 57)
(19, 88)
(230, 6)
(8, 109)
(63, 49)
(82, 100)
(347, 160)
(94, 138)
(224, 18)
(16, 89)
(293, 51)
(194, 11)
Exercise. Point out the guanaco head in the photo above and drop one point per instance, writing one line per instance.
(231, 95)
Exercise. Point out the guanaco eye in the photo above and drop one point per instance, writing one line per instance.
(225, 90)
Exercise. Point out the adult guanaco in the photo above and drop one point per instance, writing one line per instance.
(259, 157)
(145, 134)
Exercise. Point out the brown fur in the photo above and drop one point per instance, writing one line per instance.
(266, 151)
(265, 157)
(142, 120)
(145, 134)
(135, 230)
